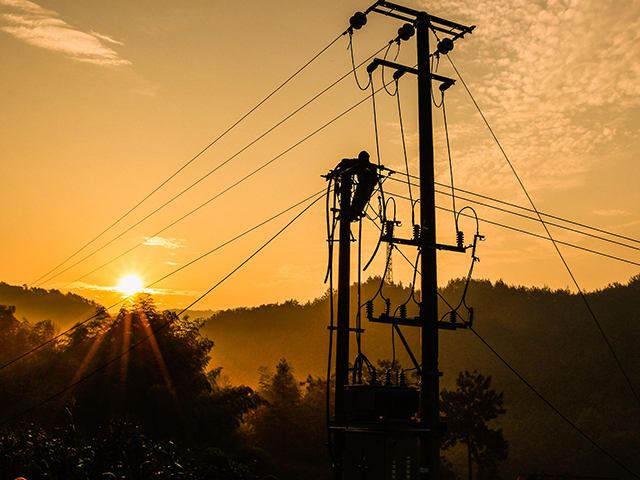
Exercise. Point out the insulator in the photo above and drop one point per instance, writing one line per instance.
(388, 228)
(406, 31)
(460, 238)
(387, 306)
(398, 74)
(445, 45)
(470, 316)
(374, 376)
(403, 310)
(402, 379)
(387, 377)
(416, 232)
(453, 316)
(358, 20)
(369, 309)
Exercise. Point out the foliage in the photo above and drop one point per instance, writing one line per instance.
(290, 427)
(162, 382)
(120, 450)
(466, 411)
(39, 304)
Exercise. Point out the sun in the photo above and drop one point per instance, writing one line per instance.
(130, 285)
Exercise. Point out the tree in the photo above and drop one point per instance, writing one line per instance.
(466, 411)
(289, 429)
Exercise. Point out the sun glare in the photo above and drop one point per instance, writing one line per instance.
(130, 285)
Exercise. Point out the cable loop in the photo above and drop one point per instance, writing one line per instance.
(353, 63)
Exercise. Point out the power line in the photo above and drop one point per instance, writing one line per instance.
(555, 245)
(260, 137)
(546, 215)
(558, 412)
(543, 237)
(194, 157)
(165, 324)
(531, 387)
(232, 186)
(33, 350)
(615, 242)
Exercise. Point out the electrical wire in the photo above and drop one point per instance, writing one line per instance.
(535, 391)
(549, 216)
(543, 237)
(555, 244)
(171, 200)
(375, 117)
(164, 325)
(258, 105)
(453, 190)
(383, 67)
(551, 406)
(597, 237)
(404, 151)
(237, 237)
(157, 233)
(230, 187)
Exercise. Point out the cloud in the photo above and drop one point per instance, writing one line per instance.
(115, 289)
(87, 286)
(289, 274)
(171, 243)
(43, 28)
(610, 213)
(555, 78)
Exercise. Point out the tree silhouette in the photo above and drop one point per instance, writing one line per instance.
(466, 411)
(289, 429)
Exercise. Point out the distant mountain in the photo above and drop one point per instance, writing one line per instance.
(38, 304)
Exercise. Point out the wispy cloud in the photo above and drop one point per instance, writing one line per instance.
(171, 243)
(43, 28)
(114, 289)
(554, 77)
(610, 213)
(289, 274)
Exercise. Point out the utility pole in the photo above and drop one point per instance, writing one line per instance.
(370, 429)
(430, 381)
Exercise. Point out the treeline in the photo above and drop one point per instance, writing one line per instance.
(134, 396)
(39, 304)
(173, 386)
(548, 336)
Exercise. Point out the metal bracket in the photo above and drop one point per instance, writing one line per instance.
(416, 242)
(446, 81)
(416, 322)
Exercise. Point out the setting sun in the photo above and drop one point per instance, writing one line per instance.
(130, 285)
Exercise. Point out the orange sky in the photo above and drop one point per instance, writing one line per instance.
(103, 101)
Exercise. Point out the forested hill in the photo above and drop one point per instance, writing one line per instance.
(549, 337)
(38, 304)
